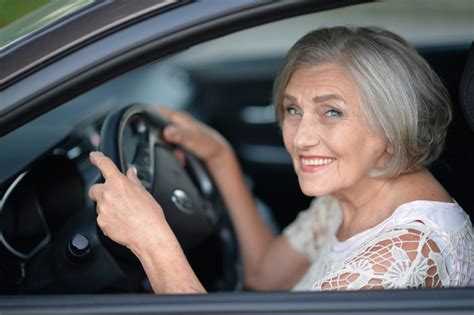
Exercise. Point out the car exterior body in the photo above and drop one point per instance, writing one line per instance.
(58, 82)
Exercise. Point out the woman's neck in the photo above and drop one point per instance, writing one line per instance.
(364, 207)
(374, 200)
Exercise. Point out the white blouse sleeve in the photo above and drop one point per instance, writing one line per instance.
(313, 227)
(405, 257)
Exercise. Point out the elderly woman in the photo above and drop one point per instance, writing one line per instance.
(362, 116)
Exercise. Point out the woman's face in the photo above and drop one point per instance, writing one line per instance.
(332, 146)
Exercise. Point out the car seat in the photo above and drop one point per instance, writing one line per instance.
(455, 168)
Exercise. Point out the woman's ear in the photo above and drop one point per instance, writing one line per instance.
(389, 148)
(386, 156)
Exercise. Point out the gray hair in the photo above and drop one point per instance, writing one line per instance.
(402, 97)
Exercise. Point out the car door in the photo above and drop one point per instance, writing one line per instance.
(155, 30)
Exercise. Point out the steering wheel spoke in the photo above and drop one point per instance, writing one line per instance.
(144, 157)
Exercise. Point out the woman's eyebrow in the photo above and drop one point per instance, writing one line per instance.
(291, 98)
(319, 98)
(327, 97)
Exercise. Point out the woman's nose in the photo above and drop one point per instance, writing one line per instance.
(307, 134)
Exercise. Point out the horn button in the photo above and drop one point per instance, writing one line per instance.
(182, 201)
(176, 190)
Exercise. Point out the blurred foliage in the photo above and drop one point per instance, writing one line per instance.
(20, 18)
(12, 10)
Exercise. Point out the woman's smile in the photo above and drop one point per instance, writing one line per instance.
(314, 163)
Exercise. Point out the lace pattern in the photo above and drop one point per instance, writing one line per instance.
(403, 258)
(413, 254)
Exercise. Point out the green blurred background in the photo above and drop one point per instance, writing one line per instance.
(11, 10)
(18, 18)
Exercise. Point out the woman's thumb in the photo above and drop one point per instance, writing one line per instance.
(132, 175)
(171, 134)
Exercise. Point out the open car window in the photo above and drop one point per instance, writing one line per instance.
(226, 83)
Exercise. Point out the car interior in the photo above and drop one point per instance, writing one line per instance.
(227, 84)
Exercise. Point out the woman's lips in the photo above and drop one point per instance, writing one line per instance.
(313, 164)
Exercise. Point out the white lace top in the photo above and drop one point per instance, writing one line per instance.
(422, 244)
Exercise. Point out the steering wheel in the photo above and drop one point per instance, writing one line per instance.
(190, 201)
(81, 259)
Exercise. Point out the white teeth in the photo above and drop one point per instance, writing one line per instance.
(316, 162)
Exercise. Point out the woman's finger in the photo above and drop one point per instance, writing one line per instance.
(172, 134)
(176, 117)
(166, 112)
(104, 164)
(98, 209)
(96, 191)
(132, 175)
(101, 224)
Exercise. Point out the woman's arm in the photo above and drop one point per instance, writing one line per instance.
(130, 216)
(270, 262)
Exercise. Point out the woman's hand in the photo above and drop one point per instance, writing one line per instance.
(126, 212)
(129, 215)
(201, 140)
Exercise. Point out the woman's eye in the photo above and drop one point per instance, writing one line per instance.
(333, 113)
(292, 111)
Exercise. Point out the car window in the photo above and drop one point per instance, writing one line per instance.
(237, 71)
(202, 78)
(227, 83)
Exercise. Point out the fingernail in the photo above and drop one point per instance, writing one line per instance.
(171, 131)
(133, 168)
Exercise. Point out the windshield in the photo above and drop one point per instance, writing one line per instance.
(21, 18)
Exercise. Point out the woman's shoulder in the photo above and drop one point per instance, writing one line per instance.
(324, 212)
(422, 240)
(314, 228)
(447, 216)
(446, 223)
(324, 204)
(440, 231)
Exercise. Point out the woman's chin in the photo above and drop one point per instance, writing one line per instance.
(312, 191)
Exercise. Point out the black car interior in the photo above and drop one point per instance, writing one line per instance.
(454, 169)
